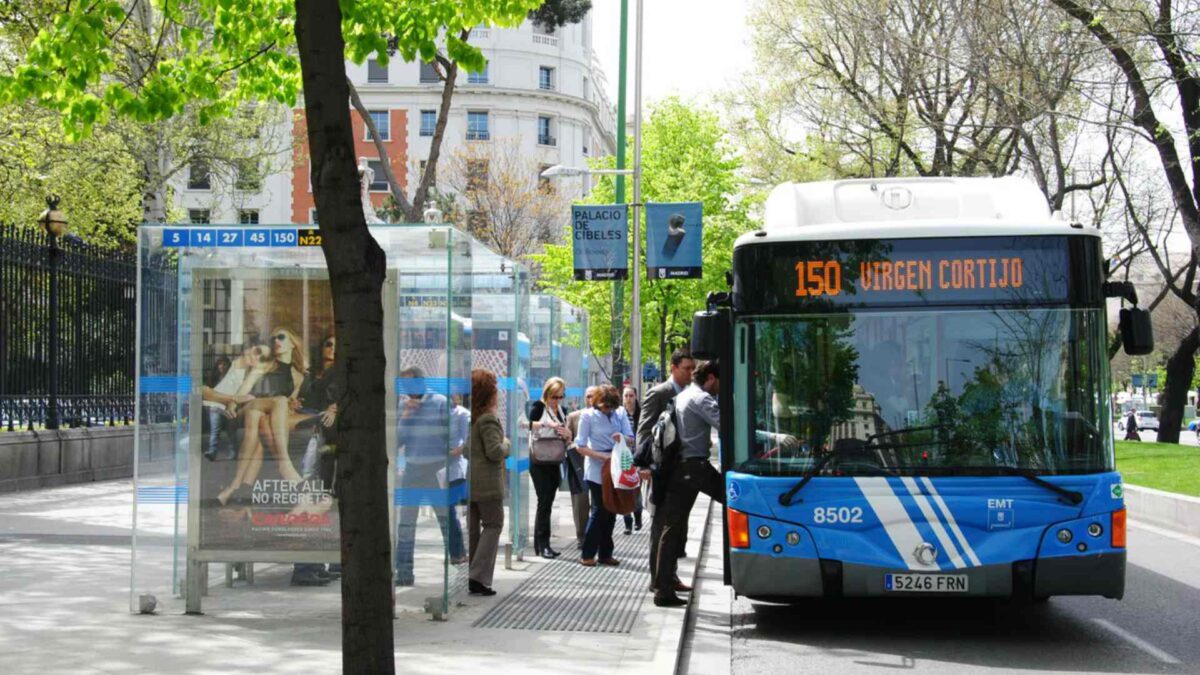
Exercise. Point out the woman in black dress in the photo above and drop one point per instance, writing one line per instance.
(547, 424)
(275, 384)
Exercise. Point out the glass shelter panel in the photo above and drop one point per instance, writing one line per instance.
(236, 441)
(500, 330)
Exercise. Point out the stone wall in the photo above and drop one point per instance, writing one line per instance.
(30, 460)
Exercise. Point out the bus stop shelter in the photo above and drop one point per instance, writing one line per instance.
(229, 487)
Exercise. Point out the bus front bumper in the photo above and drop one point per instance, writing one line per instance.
(768, 577)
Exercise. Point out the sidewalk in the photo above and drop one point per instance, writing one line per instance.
(64, 594)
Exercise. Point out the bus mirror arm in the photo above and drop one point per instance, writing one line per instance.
(1121, 289)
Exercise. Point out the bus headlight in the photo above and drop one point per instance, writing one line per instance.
(1065, 536)
(1095, 529)
(764, 532)
(793, 538)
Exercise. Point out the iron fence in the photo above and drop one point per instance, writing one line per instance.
(67, 330)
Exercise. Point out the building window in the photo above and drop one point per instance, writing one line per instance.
(312, 216)
(546, 78)
(377, 73)
(587, 140)
(477, 175)
(199, 216)
(379, 180)
(477, 126)
(428, 122)
(544, 135)
(429, 74)
(478, 78)
(249, 178)
(587, 92)
(248, 217)
(383, 124)
(199, 177)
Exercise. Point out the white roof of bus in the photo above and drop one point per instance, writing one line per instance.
(907, 208)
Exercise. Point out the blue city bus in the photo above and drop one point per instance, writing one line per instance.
(920, 395)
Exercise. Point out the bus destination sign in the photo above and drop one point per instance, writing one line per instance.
(811, 275)
(815, 278)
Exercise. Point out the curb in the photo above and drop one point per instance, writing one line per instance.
(693, 598)
(1167, 510)
(660, 647)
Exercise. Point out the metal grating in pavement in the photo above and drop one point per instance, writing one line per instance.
(566, 596)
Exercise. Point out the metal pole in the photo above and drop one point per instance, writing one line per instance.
(635, 325)
(618, 289)
(52, 388)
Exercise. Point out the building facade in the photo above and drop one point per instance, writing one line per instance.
(545, 92)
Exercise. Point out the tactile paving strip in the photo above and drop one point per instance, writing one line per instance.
(566, 596)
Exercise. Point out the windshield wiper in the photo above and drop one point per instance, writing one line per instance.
(1071, 496)
(786, 498)
(1075, 498)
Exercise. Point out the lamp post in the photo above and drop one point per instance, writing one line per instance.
(949, 376)
(54, 222)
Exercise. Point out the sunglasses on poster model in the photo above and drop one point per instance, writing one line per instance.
(281, 337)
(328, 344)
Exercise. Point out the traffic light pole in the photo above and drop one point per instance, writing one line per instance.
(635, 325)
(618, 289)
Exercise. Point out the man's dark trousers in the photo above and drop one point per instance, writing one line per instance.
(685, 480)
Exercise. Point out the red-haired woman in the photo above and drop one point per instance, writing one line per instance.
(489, 447)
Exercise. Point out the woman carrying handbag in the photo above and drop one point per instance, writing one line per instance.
(548, 438)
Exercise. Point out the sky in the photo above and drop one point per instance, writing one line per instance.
(690, 47)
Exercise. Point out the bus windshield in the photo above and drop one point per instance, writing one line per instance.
(926, 392)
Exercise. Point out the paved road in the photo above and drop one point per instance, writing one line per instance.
(1156, 628)
(1185, 437)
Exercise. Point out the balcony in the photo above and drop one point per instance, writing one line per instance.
(548, 40)
(547, 139)
(479, 135)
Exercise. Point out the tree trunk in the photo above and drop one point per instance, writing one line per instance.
(662, 342)
(356, 267)
(1180, 368)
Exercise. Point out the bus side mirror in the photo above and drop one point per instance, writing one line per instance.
(1137, 335)
(710, 334)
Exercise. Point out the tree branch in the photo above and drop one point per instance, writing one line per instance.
(384, 158)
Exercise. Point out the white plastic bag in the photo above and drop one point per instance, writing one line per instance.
(624, 475)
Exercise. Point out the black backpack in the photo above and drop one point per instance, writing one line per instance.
(663, 446)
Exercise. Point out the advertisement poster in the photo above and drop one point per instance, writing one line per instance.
(600, 236)
(673, 238)
(267, 443)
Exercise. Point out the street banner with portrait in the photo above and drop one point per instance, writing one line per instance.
(673, 240)
(262, 458)
(600, 241)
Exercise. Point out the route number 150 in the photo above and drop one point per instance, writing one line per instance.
(818, 277)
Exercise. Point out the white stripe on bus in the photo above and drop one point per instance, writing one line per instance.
(894, 518)
(935, 523)
(962, 538)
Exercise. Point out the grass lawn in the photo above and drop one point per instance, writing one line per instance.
(1162, 466)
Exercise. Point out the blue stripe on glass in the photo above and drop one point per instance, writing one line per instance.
(167, 494)
(574, 391)
(430, 496)
(519, 465)
(165, 384)
(415, 386)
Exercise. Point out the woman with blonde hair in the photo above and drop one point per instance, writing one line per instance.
(548, 439)
(489, 447)
(275, 385)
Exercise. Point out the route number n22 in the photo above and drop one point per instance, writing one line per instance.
(818, 277)
(837, 514)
